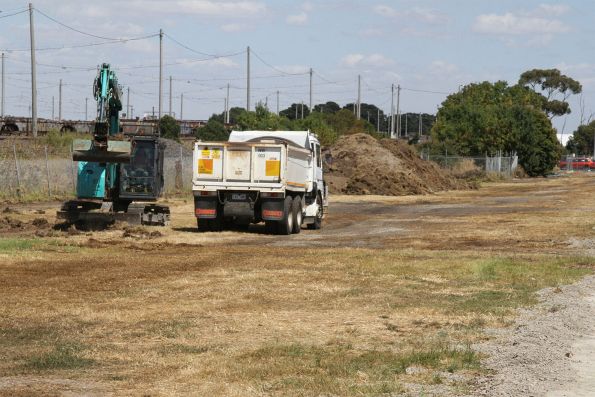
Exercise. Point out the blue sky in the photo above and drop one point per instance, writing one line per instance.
(426, 45)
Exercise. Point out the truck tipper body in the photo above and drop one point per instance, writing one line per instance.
(256, 176)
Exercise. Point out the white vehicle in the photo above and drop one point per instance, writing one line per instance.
(270, 176)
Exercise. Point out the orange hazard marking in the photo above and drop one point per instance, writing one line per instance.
(272, 214)
(205, 211)
(205, 166)
(296, 184)
(272, 168)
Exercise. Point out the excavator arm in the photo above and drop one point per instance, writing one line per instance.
(107, 146)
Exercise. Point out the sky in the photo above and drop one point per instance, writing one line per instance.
(428, 47)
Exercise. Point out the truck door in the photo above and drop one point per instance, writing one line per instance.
(317, 164)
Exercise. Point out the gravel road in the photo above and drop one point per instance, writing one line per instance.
(550, 351)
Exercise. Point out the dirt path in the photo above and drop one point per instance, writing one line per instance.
(550, 350)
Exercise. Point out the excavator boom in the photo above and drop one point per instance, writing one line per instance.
(108, 145)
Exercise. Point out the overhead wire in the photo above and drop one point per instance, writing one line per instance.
(275, 68)
(13, 14)
(78, 30)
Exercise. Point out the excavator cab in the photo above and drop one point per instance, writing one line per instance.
(142, 177)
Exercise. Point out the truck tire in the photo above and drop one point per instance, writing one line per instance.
(203, 225)
(317, 224)
(297, 214)
(270, 227)
(285, 225)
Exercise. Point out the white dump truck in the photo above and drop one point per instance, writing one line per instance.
(270, 176)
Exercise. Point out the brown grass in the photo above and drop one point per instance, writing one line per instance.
(234, 314)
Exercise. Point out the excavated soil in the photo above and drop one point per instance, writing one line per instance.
(360, 164)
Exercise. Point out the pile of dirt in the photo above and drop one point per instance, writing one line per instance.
(140, 233)
(8, 223)
(361, 164)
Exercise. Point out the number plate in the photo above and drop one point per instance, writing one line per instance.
(238, 196)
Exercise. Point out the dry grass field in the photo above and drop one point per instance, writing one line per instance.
(387, 299)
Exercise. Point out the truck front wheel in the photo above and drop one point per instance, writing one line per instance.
(317, 224)
(285, 225)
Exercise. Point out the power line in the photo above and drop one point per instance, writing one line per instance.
(15, 13)
(77, 30)
(199, 52)
(277, 69)
(117, 41)
(426, 91)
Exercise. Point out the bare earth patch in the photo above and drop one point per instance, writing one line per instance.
(394, 296)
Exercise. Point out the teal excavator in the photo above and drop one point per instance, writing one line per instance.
(119, 177)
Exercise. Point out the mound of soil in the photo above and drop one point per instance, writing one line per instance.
(140, 232)
(361, 164)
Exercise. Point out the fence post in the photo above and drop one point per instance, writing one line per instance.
(47, 172)
(181, 168)
(16, 167)
(72, 172)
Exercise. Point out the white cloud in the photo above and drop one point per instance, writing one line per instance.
(374, 60)
(371, 32)
(307, 6)
(293, 68)
(201, 7)
(385, 11)
(552, 9)
(427, 15)
(443, 68)
(512, 24)
(297, 19)
(233, 27)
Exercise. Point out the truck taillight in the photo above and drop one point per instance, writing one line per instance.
(208, 193)
(272, 195)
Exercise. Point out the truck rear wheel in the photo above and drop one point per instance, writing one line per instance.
(285, 225)
(297, 214)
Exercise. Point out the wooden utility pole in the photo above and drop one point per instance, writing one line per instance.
(392, 111)
(170, 98)
(33, 75)
(359, 97)
(2, 102)
(60, 101)
(399, 110)
(160, 72)
(226, 118)
(310, 89)
(248, 79)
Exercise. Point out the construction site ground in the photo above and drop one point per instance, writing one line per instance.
(477, 292)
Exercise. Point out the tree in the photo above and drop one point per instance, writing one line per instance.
(345, 122)
(262, 119)
(551, 82)
(329, 107)
(410, 124)
(295, 111)
(169, 128)
(581, 141)
(212, 131)
(493, 117)
(316, 122)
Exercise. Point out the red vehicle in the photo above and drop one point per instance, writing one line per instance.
(577, 163)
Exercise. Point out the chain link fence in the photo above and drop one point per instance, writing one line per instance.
(504, 166)
(45, 177)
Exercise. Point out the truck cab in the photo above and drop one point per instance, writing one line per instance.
(270, 176)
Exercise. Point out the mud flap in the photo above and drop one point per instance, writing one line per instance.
(206, 207)
(272, 210)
